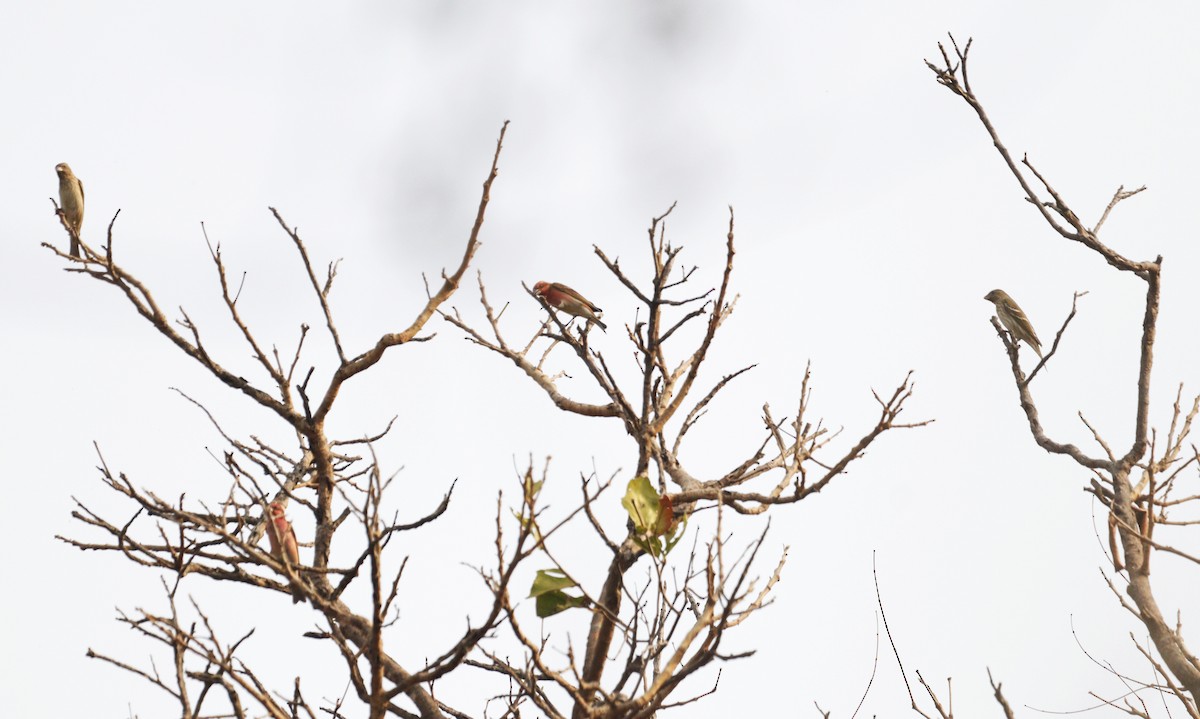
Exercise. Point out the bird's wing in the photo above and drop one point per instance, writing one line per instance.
(572, 293)
(1020, 316)
(273, 535)
(293, 546)
(80, 183)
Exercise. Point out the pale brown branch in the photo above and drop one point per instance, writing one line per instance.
(715, 319)
(1008, 712)
(231, 305)
(1118, 196)
(450, 283)
(322, 294)
(539, 377)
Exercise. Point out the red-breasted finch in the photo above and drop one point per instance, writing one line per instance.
(70, 199)
(561, 297)
(1014, 320)
(283, 540)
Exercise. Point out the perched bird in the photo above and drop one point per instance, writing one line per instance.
(283, 540)
(564, 298)
(1014, 320)
(70, 198)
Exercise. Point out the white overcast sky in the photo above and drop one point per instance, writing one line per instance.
(872, 216)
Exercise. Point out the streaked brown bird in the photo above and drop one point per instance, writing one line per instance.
(1014, 320)
(561, 297)
(70, 199)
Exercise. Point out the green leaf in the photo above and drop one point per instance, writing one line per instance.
(674, 536)
(531, 488)
(650, 545)
(550, 580)
(548, 586)
(552, 603)
(641, 501)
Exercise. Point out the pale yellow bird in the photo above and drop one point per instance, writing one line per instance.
(70, 198)
(1014, 320)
